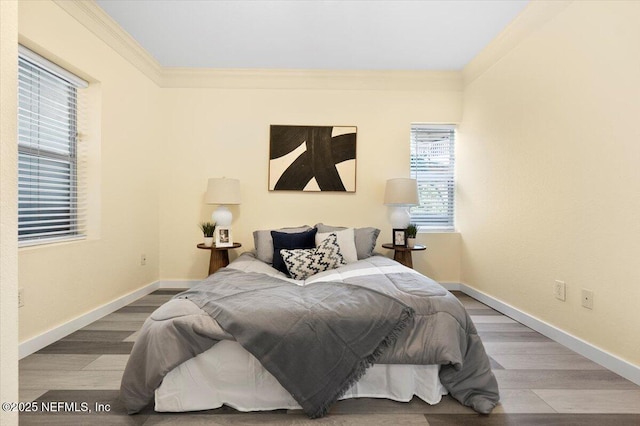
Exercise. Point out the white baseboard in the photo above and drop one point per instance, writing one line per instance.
(619, 366)
(36, 343)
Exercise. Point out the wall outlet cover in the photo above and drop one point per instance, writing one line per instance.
(587, 298)
(560, 290)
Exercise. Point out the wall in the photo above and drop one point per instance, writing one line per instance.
(215, 132)
(8, 209)
(64, 281)
(549, 181)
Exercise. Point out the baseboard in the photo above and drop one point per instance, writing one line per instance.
(619, 366)
(34, 344)
(452, 286)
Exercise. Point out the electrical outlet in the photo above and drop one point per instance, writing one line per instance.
(20, 297)
(587, 298)
(143, 259)
(560, 290)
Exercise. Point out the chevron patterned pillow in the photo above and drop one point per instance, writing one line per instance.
(302, 263)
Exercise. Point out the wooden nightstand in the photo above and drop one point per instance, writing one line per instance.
(219, 256)
(403, 254)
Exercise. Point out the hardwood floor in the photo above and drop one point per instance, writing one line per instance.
(541, 382)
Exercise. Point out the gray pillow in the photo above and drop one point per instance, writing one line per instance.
(264, 242)
(365, 238)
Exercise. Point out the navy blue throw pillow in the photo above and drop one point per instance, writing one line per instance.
(284, 240)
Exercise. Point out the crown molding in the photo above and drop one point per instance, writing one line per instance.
(535, 14)
(96, 20)
(88, 13)
(311, 79)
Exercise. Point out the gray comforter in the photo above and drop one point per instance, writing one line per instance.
(438, 332)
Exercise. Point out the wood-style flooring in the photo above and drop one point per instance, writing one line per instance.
(541, 382)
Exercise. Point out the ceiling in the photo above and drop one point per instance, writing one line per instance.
(314, 34)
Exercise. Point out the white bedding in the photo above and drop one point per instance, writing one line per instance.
(228, 374)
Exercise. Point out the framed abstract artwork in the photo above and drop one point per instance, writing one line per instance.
(312, 158)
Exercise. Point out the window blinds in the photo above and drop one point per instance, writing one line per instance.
(432, 165)
(50, 199)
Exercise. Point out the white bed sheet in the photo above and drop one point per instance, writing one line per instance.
(228, 374)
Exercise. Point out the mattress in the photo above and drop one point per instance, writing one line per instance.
(228, 375)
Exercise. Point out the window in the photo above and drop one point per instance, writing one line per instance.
(49, 199)
(432, 165)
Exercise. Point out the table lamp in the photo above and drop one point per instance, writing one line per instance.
(400, 194)
(224, 192)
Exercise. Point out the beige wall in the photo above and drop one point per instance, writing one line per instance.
(225, 132)
(64, 281)
(549, 177)
(8, 209)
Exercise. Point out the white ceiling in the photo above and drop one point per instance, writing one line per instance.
(314, 34)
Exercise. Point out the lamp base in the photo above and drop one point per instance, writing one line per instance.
(399, 217)
(222, 216)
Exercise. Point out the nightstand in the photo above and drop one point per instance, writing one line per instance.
(403, 254)
(219, 256)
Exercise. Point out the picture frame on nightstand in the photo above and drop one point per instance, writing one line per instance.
(399, 237)
(224, 237)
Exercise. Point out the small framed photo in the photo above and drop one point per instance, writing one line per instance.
(223, 236)
(400, 237)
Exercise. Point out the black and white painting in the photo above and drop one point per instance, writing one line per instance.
(312, 158)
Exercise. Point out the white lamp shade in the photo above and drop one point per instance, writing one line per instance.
(401, 192)
(223, 191)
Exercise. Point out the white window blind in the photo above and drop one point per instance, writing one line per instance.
(432, 165)
(50, 199)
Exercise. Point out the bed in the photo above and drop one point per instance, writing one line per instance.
(349, 325)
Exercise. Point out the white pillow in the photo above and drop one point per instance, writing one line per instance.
(346, 241)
